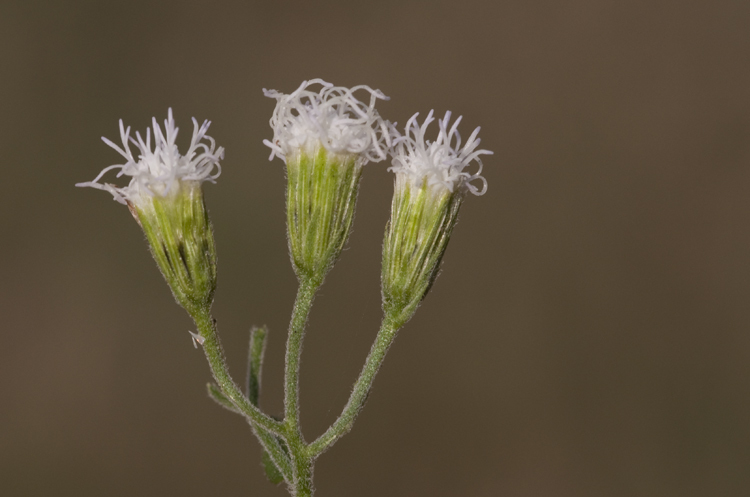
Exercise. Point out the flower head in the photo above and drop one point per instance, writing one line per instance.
(430, 186)
(332, 117)
(325, 138)
(166, 199)
(442, 162)
(159, 171)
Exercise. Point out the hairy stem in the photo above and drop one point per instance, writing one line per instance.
(302, 463)
(302, 306)
(218, 364)
(303, 475)
(361, 388)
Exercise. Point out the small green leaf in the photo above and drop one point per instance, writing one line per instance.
(272, 472)
(255, 363)
(215, 393)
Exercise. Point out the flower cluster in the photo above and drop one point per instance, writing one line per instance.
(160, 171)
(332, 117)
(325, 138)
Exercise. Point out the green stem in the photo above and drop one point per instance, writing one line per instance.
(302, 463)
(303, 475)
(302, 306)
(361, 388)
(218, 364)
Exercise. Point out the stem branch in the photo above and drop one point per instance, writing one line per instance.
(360, 390)
(218, 364)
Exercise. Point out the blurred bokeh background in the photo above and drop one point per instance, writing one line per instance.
(589, 334)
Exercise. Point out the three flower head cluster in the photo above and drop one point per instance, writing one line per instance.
(325, 134)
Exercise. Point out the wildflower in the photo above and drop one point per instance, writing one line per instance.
(325, 138)
(430, 185)
(166, 199)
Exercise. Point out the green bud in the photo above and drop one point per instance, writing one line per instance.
(422, 220)
(321, 197)
(179, 233)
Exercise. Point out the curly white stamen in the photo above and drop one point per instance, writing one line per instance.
(332, 117)
(157, 171)
(439, 162)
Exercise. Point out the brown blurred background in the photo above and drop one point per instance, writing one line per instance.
(588, 335)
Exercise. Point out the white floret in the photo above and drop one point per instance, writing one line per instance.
(158, 171)
(440, 162)
(332, 117)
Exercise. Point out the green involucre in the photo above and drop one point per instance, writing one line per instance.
(422, 220)
(321, 198)
(179, 233)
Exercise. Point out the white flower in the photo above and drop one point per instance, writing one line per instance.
(332, 117)
(439, 162)
(159, 171)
